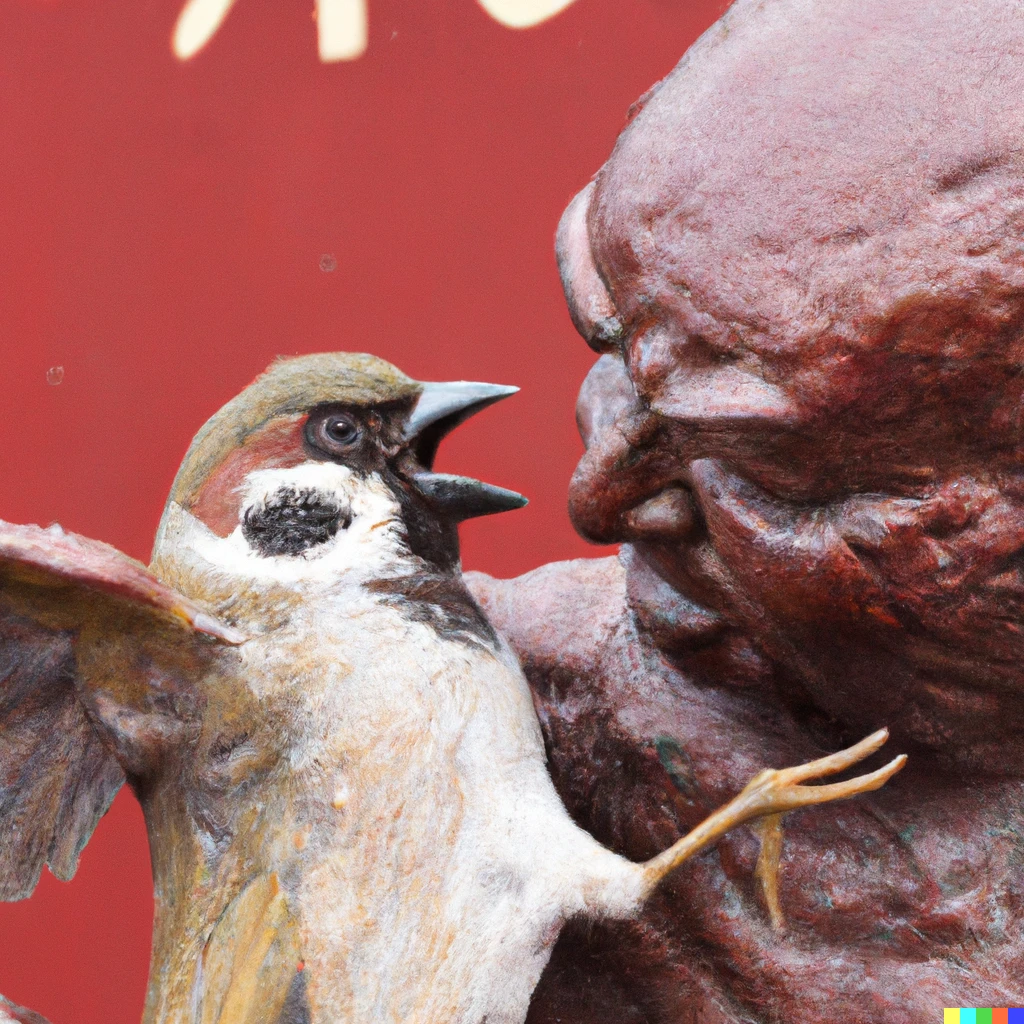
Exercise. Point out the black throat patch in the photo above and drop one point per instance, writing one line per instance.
(441, 601)
(291, 522)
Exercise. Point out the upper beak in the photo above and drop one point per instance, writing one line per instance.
(440, 408)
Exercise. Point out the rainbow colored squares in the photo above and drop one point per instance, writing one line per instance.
(987, 1015)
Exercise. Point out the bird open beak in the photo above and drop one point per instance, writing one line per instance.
(440, 408)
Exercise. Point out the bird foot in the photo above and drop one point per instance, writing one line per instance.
(769, 831)
(768, 796)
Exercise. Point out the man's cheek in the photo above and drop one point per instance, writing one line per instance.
(793, 562)
(910, 575)
(953, 564)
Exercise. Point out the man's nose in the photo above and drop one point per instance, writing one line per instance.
(606, 395)
(624, 487)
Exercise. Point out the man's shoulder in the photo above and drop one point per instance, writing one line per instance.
(563, 612)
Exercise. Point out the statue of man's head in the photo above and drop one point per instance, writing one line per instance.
(803, 265)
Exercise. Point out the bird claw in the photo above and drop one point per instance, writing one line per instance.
(767, 871)
(769, 795)
(776, 791)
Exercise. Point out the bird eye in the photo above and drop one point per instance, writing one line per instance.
(333, 434)
(340, 429)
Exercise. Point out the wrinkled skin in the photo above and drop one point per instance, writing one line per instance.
(803, 265)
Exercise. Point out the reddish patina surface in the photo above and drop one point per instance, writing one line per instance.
(803, 265)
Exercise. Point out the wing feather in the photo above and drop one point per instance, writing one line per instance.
(58, 772)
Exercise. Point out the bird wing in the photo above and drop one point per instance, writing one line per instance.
(12, 1014)
(65, 601)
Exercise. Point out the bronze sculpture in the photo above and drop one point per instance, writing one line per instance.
(802, 266)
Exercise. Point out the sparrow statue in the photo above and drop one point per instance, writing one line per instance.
(341, 769)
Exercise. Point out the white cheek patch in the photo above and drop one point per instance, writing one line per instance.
(371, 536)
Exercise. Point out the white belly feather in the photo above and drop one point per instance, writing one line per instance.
(445, 864)
(437, 862)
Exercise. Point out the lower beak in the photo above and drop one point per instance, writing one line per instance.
(462, 497)
(440, 408)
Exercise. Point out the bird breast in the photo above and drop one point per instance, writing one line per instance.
(429, 861)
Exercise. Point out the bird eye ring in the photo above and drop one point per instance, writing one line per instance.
(335, 434)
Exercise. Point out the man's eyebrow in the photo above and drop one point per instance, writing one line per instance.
(725, 393)
(590, 303)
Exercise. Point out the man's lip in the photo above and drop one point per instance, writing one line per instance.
(668, 516)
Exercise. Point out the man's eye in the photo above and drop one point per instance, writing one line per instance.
(335, 434)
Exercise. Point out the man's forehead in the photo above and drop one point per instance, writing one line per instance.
(811, 166)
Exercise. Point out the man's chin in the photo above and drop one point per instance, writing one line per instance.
(665, 609)
(699, 640)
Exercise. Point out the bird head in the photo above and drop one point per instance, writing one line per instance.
(328, 459)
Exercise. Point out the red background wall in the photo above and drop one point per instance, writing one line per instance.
(161, 233)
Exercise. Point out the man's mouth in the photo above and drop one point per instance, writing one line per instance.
(670, 516)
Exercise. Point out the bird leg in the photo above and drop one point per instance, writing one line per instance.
(768, 796)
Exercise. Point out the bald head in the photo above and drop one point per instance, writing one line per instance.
(804, 261)
(814, 184)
